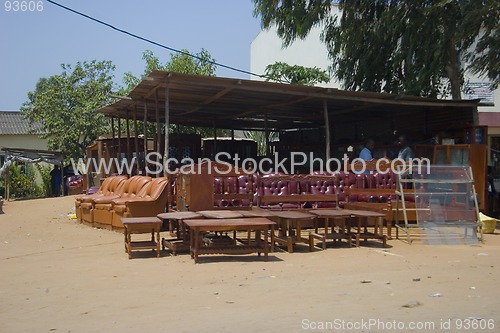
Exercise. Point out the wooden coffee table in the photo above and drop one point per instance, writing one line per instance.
(290, 227)
(181, 241)
(362, 217)
(257, 225)
(339, 217)
(142, 225)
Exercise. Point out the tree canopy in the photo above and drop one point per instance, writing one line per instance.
(415, 47)
(201, 63)
(295, 74)
(65, 104)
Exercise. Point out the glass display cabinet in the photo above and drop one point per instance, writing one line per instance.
(444, 201)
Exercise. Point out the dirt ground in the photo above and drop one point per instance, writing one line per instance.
(60, 276)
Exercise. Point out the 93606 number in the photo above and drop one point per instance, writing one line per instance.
(23, 6)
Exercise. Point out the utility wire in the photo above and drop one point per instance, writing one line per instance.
(153, 42)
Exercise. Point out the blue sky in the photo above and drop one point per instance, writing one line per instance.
(34, 44)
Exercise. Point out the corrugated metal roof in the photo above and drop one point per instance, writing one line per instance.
(13, 123)
(239, 104)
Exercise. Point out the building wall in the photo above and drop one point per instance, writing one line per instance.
(27, 141)
(267, 49)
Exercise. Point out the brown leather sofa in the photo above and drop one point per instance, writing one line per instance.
(150, 201)
(83, 203)
(102, 207)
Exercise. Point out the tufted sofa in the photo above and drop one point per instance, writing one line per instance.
(150, 201)
(138, 196)
(234, 191)
(83, 203)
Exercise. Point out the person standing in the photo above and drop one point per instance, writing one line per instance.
(405, 151)
(55, 181)
(367, 152)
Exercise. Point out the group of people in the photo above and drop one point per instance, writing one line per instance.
(404, 151)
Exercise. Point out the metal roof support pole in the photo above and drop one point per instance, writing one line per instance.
(136, 141)
(129, 153)
(145, 139)
(327, 130)
(167, 125)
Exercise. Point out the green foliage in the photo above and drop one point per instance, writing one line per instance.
(260, 138)
(405, 46)
(66, 105)
(44, 171)
(201, 64)
(285, 73)
(22, 181)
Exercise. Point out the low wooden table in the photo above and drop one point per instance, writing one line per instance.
(330, 214)
(287, 219)
(362, 217)
(220, 214)
(181, 240)
(142, 225)
(198, 227)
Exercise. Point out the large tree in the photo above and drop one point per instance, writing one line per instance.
(408, 46)
(65, 104)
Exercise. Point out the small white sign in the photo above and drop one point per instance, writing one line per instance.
(478, 90)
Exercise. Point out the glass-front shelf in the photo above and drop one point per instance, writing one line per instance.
(459, 156)
(444, 199)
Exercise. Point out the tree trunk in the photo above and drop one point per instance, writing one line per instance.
(453, 72)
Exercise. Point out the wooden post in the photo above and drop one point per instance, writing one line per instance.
(7, 184)
(145, 132)
(327, 129)
(61, 165)
(214, 152)
(113, 141)
(99, 157)
(119, 153)
(129, 153)
(158, 132)
(266, 134)
(167, 125)
(136, 141)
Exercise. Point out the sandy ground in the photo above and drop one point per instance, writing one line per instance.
(60, 276)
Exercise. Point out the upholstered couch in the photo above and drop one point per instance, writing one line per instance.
(102, 210)
(151, 200)
(108, 187)
(138, 196)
